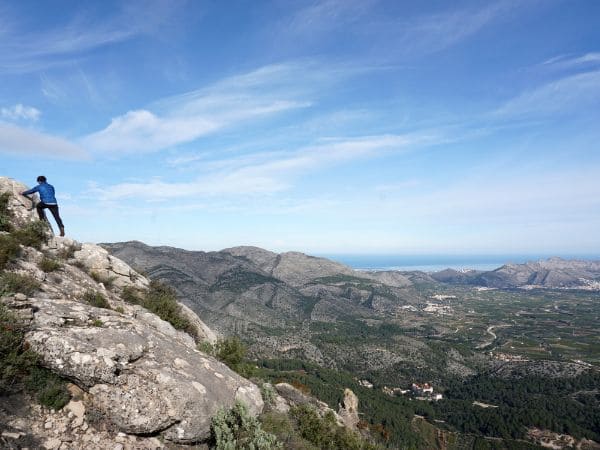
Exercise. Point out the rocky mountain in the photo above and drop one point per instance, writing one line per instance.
(291, 305)
(550, 273)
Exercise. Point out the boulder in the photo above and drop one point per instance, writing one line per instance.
(106, 267)
(140, 378)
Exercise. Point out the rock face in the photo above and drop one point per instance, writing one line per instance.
(146, 380)
(348, 410)
(137, 371)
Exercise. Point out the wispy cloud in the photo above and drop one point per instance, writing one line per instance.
(435, 32)
(22, 51)
(324, 15)
(569, 61)
(557, 97)
(267, 91)
(20, 112)
(25, 142)
(263, 175)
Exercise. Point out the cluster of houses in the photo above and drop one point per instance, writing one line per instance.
(417, 391)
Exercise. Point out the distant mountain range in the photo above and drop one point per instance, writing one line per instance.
(550, 273)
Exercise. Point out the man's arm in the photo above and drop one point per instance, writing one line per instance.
(30, 191)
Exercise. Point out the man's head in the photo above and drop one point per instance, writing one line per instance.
(41, 179)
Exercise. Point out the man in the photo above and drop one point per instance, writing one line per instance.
(47, 200)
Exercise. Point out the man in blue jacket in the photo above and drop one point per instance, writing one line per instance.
(47, 200)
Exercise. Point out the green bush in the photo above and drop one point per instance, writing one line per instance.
(162, 301)
(324, 432)
(132, 295)
(16, 359)
(33, 234)
(268, 394)
(9, 249)
(231, 351)
(12, 283)
(49, 389)
(96, 299)
(236, 429)
(49, 265)
(206, 347)
(283, 427)
(5, 214)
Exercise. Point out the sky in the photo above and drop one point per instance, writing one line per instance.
(321, 126)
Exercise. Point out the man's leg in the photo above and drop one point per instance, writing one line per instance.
(54, 210)
(40, 210)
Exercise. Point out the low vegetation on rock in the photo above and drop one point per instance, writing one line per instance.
(15, 283)
(236, 429)
(162, 301)
(49, 265)
(96, 299)
(19, 369)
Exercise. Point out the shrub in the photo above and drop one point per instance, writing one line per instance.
(131, 295)
(206, 347)
(49, 265)
(96, 299)
(236, 429)
(97, 323)
(33, 234)
(162, 301)
(19, 366)
(5, 214)
(50, 390)
(268, 393)
(324, 432)
(12, 283)
(16, 359)
(9, 249)
(231, 351)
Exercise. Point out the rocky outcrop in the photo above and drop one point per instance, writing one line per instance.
(137, 372)
(145, 379)
(348, 410)
(104, 266)
(295, 397)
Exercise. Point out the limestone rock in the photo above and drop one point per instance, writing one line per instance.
(142, 379)
(348, 410)
(106, 267)
(295, 397)
(17, 204)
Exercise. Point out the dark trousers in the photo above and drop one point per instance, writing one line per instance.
(53, 209)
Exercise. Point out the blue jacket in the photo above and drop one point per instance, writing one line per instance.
(46, 192)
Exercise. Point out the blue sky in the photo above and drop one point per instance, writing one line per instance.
(333, 126)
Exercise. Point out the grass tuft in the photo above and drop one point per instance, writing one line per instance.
(34, 234)
(49, 265)
(96, 299)
(9, 249)
(13, 283)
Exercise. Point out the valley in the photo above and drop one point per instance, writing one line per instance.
(324, 326)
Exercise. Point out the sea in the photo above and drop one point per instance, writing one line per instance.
(435, 263)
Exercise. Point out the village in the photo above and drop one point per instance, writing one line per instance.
(423, 392)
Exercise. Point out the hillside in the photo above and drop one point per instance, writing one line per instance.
(290, 305)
